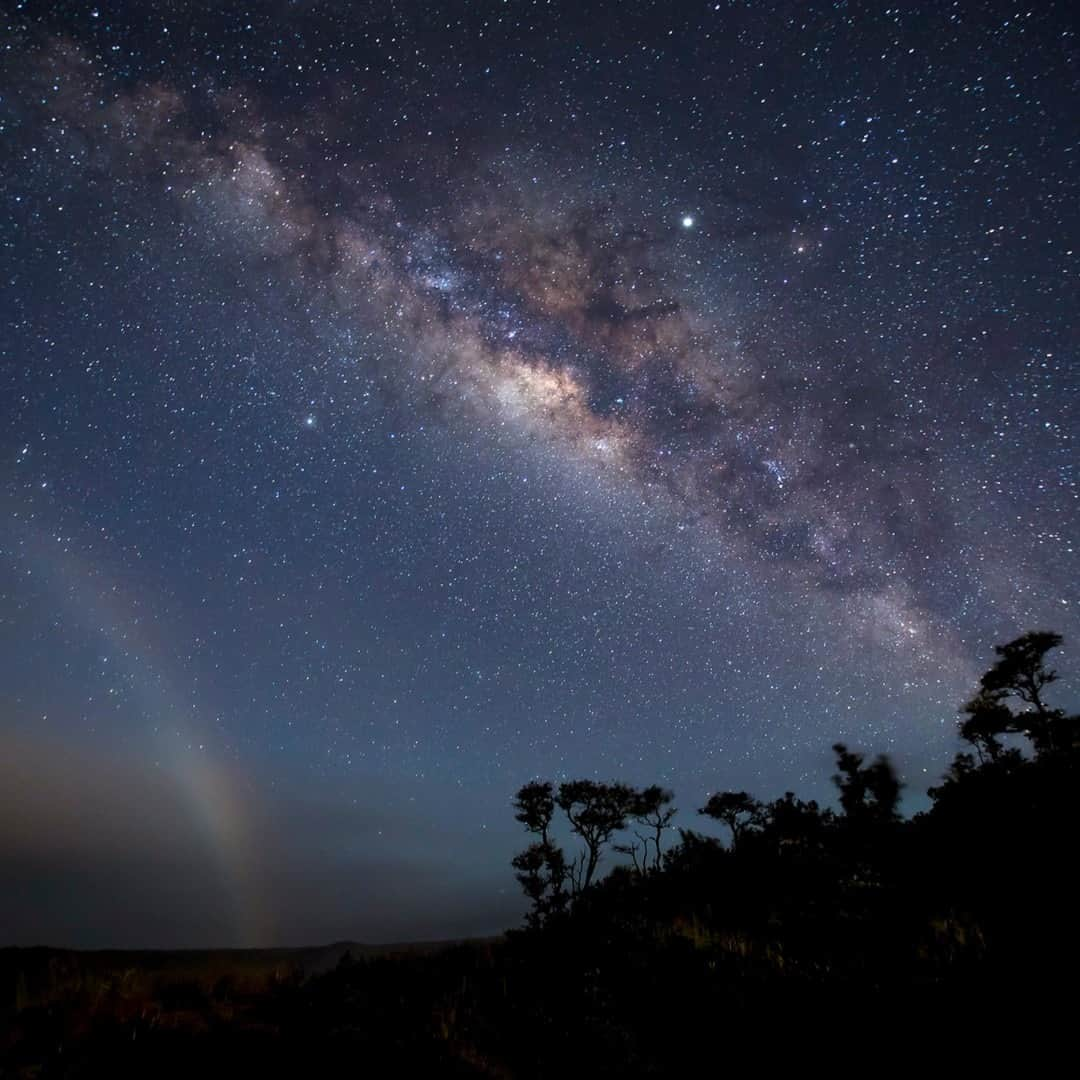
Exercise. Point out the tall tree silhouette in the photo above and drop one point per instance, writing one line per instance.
(651, 809)
(794, 824)
(541, 868)
(869, 794)
(735, 809)
(596, 812)
(1021, 674)
(534, 807)
(987, 718)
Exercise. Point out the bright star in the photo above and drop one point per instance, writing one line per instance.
(688, 222)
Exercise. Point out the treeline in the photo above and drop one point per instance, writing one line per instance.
(1010, 727)
(803, 916)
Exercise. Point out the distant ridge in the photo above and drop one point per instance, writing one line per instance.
(35, 973)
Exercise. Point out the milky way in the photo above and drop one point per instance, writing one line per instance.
(402, 404)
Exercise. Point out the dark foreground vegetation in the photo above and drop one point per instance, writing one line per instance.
(847, 936)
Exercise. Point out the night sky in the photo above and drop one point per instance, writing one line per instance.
(403, 401)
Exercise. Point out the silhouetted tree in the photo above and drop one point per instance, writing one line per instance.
(1022, 670)
(596, 812)
(987, 719)
(869, 794)
(541, 872)
(541, 868)
(534, 807)
(794, 823)
(651, 809)
(1020, 673)
(735, 809)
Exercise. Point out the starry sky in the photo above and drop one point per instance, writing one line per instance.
(401, 401)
